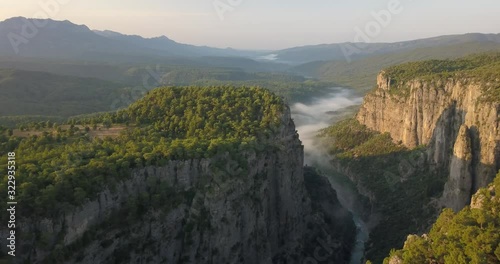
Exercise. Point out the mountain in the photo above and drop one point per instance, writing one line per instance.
(353, 51)
(361, 73)
(105, 87)
(59, 39)
(435, 104)
(69, 49)
(163, 43)
(47, 38)
(198, 175)
(426, 137)
(40, 93)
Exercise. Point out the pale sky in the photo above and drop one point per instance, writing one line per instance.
(267, 24)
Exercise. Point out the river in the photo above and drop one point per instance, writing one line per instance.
(319, 114)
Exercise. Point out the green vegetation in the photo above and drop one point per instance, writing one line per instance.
(168, 123)
(27, 96)
(483, 68)
(292, 90)
(431, 68)
(186, 76)
(54, 96)
(470, 236)
(401, 181)
(292, 87)
(395, 175)
(201, 112)
(349, 139)
(28, 120)
(361, 74)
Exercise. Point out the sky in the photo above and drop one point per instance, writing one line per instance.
(270, 24)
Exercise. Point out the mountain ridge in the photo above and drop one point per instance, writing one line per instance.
(103, 43)
(426, 137)
(340, 51)
(64, 39)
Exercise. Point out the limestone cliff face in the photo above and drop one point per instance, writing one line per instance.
(258, 213)
(462, 133)
(458, 186)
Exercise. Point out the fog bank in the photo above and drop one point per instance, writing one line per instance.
(309, 119)
(321, 113)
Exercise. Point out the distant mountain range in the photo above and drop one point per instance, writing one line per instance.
(66, 49)
(353, 51)
(46, 38)
(38, 38)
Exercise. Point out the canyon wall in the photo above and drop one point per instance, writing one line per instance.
(249, 208)
(451, 118)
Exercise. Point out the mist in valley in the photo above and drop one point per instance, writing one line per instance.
(321, 113)
(309, 120)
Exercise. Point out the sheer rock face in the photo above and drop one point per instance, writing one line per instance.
(261, 214)
(462, 133)
(459, 183)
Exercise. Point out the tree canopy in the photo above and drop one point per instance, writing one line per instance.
(469, 236)
(61, 168)
(483, 68)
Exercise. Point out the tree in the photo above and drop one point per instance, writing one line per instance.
(107, 123)
(80, 195)
(470, 236)
(187, 123)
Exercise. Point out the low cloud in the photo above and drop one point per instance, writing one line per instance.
(309, 119)
(321, 113)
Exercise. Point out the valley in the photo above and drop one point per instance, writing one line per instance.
(147, 150)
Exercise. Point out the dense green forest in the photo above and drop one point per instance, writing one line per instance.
(45, 94)
(484, 68)
(172, 123)
(28, 96)
(395, 175)
(293, 88)
(291, 91)
(469, 236)
(16, 121)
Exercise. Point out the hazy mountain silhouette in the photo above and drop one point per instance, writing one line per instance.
(327, 52)
(163, 43)
(47, 38)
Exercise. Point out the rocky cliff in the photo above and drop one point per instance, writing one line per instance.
(455, 238)
(254, 208)
(461, 131)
